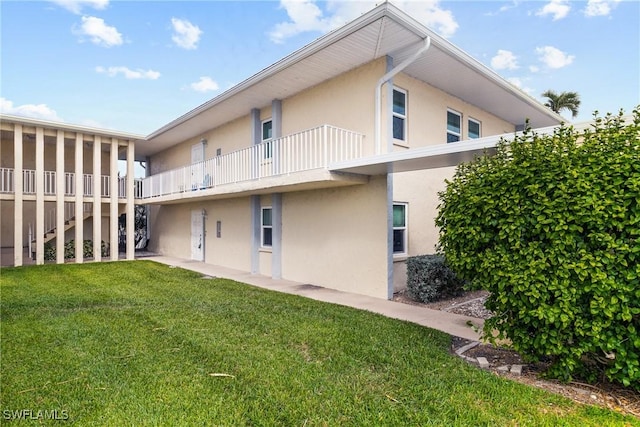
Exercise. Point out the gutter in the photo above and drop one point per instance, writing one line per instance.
(388, 76)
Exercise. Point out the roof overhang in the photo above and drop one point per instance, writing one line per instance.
(385, 30)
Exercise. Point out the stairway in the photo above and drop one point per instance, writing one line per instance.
(68, 225)
(69, 222)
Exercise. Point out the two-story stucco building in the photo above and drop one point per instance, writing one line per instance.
(323, 168)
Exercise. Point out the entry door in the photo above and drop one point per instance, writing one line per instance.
(197, 156)
(197, 236)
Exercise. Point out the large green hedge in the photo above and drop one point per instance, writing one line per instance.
(550, 225)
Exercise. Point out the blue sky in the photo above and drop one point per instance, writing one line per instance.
(134, 66)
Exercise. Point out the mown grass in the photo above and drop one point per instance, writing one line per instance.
(136, 343)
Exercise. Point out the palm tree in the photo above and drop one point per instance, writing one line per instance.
(563, 101)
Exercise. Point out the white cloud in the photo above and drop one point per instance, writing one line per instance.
(205, 84)
(129, 73)
(186, 35)
(534, 68)
(558, 8)
(600, 7)
(99, 32)
(75, 6)
(504, 60)
(306, 15)
(553, 57)
(35, 111)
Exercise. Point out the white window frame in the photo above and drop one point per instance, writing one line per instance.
(450, 132)
(479, 123)
(267, 142)
(263, 227)
(404, 229)
(399, 115)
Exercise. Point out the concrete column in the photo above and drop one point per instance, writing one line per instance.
(276, 132)
(97, 198)
(40, 196)
(60, 197)
(390, 197)
(131, 244)
(113, 205)
(17, 189)
(276, 247)
(79, 204)
(255, 234)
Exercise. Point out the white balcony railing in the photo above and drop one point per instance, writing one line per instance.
(7, 184)
(307, 150)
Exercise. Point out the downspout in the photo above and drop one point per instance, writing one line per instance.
(389, 76)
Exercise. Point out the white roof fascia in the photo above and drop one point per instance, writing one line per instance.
(86, 130)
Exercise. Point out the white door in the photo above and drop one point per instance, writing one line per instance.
(197, 156)
(197, 236)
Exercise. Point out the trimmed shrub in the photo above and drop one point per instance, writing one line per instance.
(550, 226)
(430, 279)
(70, 250)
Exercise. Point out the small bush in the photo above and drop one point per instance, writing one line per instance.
(430, 279)
(70, 250)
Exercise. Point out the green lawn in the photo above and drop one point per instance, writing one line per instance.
(139, 343)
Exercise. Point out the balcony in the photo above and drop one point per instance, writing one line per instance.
(7, 184)
(273, 165)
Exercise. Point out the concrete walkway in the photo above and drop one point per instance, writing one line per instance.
(450, 323)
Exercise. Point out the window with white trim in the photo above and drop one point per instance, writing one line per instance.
(267, 138)
(399, 114)
(266, 229)
(399, 228)
(473, 129)
(454, 126)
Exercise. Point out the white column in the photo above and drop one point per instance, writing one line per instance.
(131, 244)
(60, 197)
(17, 189)
(40, 196)
(79, 215)
(113, 207)
(97, 198)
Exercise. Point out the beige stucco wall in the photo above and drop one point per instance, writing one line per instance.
(171, 230)
(232, 249)
(336, 238)
(427, 114)
(346, 102)
(230, 137)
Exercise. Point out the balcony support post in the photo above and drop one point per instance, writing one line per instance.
(60, 215)
(131, 243)
(97, 198)
(79, 211)
(17, 189)
(113, 205)
(40, 196)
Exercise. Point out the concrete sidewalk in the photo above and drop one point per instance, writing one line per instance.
(450, 323)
